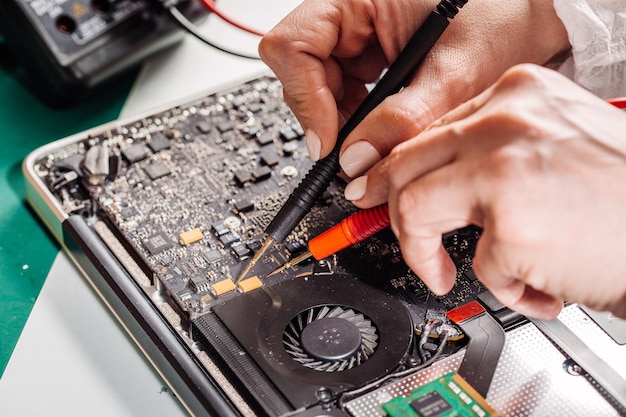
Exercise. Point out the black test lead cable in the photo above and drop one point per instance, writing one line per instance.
(317, 180)
(180, 19)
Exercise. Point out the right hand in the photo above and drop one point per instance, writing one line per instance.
(539, 163)
(325, 52)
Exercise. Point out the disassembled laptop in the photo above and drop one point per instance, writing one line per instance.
(161, 213)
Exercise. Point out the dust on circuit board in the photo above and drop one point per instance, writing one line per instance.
(192, 189)
(189, 192)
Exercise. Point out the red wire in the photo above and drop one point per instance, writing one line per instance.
(210, 4)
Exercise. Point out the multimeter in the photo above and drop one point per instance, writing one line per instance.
(71, 48)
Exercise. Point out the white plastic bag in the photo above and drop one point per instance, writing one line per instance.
(597, 33)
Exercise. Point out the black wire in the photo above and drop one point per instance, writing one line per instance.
(193, 30)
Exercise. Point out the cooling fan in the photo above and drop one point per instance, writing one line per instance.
(330, 331)
(330, 338)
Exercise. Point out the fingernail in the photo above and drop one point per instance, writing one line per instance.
(313, 145)
(355, 190)
(358, 158)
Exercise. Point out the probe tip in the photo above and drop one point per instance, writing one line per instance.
(280, 269)
(268, 242)
(292, 262)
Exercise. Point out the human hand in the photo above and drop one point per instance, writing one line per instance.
(326, 52)
(540, 164)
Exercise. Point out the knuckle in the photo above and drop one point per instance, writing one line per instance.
(520, 72)
(507, 161)
(506, 230)
(514, 166)
(407, 204)
(394, 163)
(514, 243)
(301, 98)
(299, 107)
(406, 114)
(523, 76)
(271, 46)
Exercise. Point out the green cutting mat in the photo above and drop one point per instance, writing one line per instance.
(26, 249)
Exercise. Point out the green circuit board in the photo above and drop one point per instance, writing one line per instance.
(448, 396)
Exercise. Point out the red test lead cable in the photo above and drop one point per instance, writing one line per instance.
(210, 5)
(352, 230)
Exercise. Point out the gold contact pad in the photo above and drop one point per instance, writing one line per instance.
(191, 236)
(223, 286)
(250, 284)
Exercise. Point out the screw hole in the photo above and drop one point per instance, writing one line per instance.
(572, 367)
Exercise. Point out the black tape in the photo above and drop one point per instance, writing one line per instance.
(483, 351)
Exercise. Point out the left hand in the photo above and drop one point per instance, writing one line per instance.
(326, 52)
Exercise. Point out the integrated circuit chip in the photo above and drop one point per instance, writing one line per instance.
(243, 176)
(213, 256)
(219, 228)
(135, 153)
(158, 143)
(264, 140)
(157, 243)
(157, 170)
(254, 245)
(225, 126)
(269, 158)
(262, 173)
(431, 405)
(229, 238)
(204, 127)
(244, 206)
(288, 134)
(199, 282)
(241, 250)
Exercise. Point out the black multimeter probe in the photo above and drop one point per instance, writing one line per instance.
(317, 180)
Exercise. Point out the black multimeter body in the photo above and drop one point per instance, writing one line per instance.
(71, 48)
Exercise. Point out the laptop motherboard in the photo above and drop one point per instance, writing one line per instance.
(182, 197)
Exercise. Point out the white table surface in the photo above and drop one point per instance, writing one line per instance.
(73, 359)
